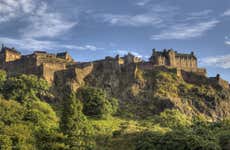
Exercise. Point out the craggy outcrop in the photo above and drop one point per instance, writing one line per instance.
(144, 88)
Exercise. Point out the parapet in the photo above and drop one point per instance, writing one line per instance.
(221, 82)
(65, 55)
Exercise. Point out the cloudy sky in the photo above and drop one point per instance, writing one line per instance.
(93, 29)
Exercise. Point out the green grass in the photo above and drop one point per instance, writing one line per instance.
(119, 133)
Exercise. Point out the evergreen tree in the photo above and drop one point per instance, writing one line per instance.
(74, 124)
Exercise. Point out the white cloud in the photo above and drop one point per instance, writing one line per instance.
(10, 9)
(200, 15)
(186, 31)
(132, 20)
(125, 52)
(219, 61)
(40, 22)
(32, 44)
(142, 2)
(226, 13)
(154, 15)
(46, 24)
(227, 42)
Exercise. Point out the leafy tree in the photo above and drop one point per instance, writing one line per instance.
(224, 140)
(24, 87)
(173, 119)
(50, 140)
(74, 124)
(178, 139)
(21, 136)
(2, 79)
(96, 103)
(11, 112)
(42, 115)
(5, 142)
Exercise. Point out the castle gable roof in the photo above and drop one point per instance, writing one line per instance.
(10, 49)
(62, 54)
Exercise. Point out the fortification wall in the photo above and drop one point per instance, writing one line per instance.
(49, 69)
(219, 81)
(47, 58)
(186, 62)
(174, 59)
(11, 56)
(25, 65)
(146, 66)
(223, 83)
(74, 75)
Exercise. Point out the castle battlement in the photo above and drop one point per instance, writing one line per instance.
(174, 59)
(46, 65)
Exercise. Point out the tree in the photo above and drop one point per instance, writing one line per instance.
(176, 139)
(96, 103)
(50, 140)
(173, 119)
(74, 124)
(42, 115)
(2, 79)
(24, 87)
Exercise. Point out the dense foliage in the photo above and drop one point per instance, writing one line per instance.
(96, 103)
(27, 122)
(23, 88)
(75, 125)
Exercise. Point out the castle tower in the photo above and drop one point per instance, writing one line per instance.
(172, 57)
(66, 56)
(9, 54)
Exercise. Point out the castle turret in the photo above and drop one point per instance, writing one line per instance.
(66, 56)
(171, 57)
(9, 54)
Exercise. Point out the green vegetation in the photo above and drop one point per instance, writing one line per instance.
(75, 125)
(24, 88)
(89, 118)
(96, 103)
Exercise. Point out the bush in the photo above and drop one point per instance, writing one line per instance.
(41, 114)
(178, 140)
(74, 123)
(11, 112)
(173, 119)
(50, 140)
(96, 103)
(224, 140)
(24, 87)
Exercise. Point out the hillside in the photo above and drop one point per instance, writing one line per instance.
(143, 93)
(116, 103)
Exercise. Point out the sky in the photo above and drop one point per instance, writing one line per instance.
(92, 29)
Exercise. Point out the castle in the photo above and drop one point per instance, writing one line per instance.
(39, 63)
(186, 62)
(51, 66)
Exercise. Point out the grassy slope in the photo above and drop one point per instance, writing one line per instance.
(150, 92)
(118, 133)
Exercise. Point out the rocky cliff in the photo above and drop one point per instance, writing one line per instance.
(143, 92)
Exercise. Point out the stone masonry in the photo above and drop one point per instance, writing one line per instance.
(46, 65)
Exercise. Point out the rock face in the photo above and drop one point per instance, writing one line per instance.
(144, 92)
(168, 80)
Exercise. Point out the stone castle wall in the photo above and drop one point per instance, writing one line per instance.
(49, 69)
(174, 59)
(48, 66)
(11, 56)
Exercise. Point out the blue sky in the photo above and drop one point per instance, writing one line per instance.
(93, 29)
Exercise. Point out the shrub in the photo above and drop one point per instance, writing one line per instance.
(96, 103)
(173, 119)
(74, 123)
(24, 87)
(178, 140)
(41, 114)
